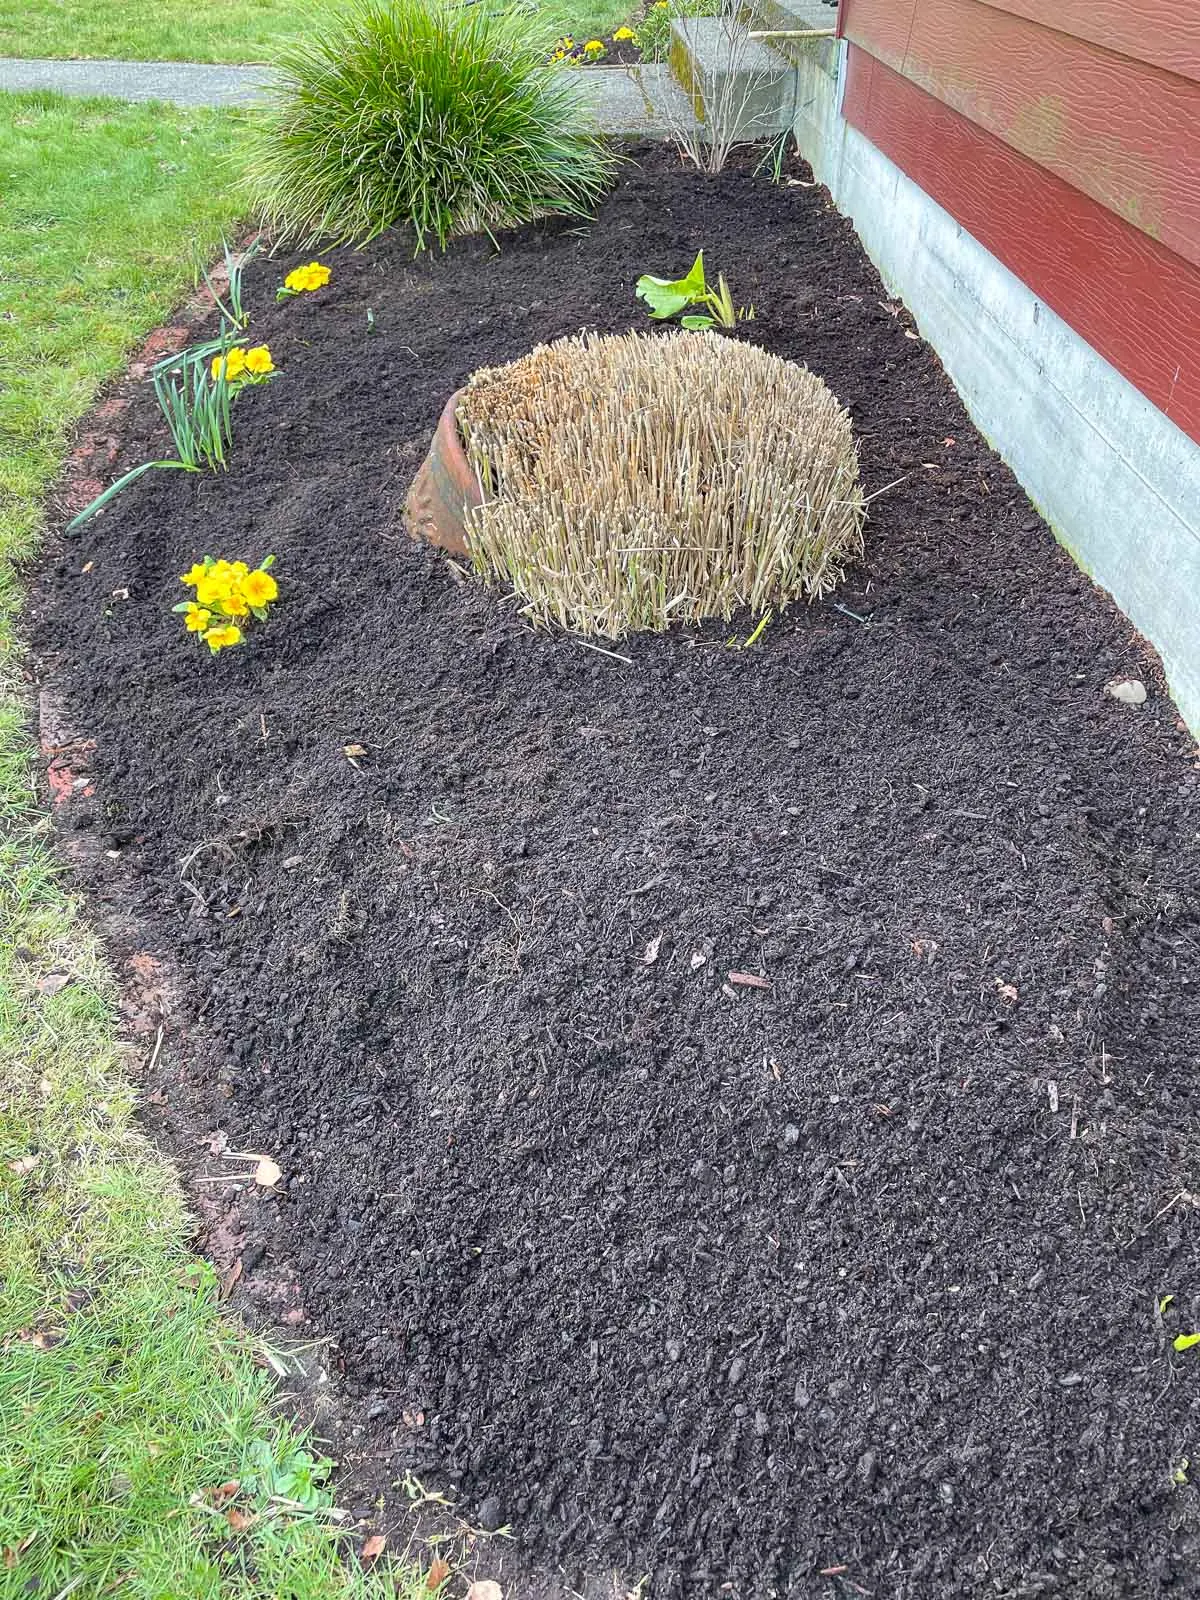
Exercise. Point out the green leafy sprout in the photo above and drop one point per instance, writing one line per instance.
(667, 297)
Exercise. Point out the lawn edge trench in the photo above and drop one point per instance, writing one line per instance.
(139, 1442)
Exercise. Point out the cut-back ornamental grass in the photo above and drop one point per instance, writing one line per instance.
(632, 481)
(444, 117)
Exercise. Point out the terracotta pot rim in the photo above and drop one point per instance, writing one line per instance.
(452, 437)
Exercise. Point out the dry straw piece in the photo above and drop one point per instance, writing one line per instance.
(631, 481)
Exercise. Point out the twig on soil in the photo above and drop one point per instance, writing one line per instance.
(600, 651)
(895, 484)
(651, 883)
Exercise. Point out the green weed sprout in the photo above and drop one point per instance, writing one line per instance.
(667, 297)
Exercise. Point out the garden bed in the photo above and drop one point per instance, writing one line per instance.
(736, 1107)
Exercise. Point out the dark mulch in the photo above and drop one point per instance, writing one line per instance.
(845, 1286)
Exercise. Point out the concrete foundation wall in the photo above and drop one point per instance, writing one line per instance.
(1118, 482)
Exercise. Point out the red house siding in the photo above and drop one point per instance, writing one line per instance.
(1076, 166)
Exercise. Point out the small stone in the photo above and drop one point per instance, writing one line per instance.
(1129, 691)
(736, 1370)
(491, 1514)
(791, 1134)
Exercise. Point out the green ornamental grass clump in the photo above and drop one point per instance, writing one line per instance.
(447, 118)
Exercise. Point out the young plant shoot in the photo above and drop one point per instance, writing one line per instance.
(195, 391)
(668, 297)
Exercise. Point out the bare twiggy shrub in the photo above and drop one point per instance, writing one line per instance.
(632, 481)
(738, 104)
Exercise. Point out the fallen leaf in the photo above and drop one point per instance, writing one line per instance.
(231, 1278)
(53, 982)
(1185, 1341)
(652, 949)
(485, 1589)
(267, 1173)
(413, 1419)
(157, 1097)
(374, 1547)
(750, 980)
(10, 1557)
(239, 1521)
(354, 752)
(224, 1491)
(1008, 991)
(24, 1165)
(439, 1571)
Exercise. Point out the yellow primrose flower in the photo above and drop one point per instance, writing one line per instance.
(212, 591)
(624, 33)
(221, 638)
(594, 47)
(229, 366)
(313, 276)
(260, 589)
(258, 361)
(193, 577)
(197, 618)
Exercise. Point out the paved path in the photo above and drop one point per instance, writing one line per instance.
(641, 100)
(180, 82)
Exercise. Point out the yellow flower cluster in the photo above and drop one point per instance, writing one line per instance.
(594, 49)
(243, 366)
(562, 48)
(622, 34)
(226, 591)
(300, 279)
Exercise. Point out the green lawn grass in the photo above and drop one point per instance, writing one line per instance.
(125, 1401)
(214, 30)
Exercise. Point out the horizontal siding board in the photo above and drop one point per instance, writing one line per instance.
(1134, 301)
(1125, 133)
(1163, 33)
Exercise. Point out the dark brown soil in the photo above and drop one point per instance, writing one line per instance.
(846, 1285)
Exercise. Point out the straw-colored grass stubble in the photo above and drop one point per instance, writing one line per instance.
(632, 481)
